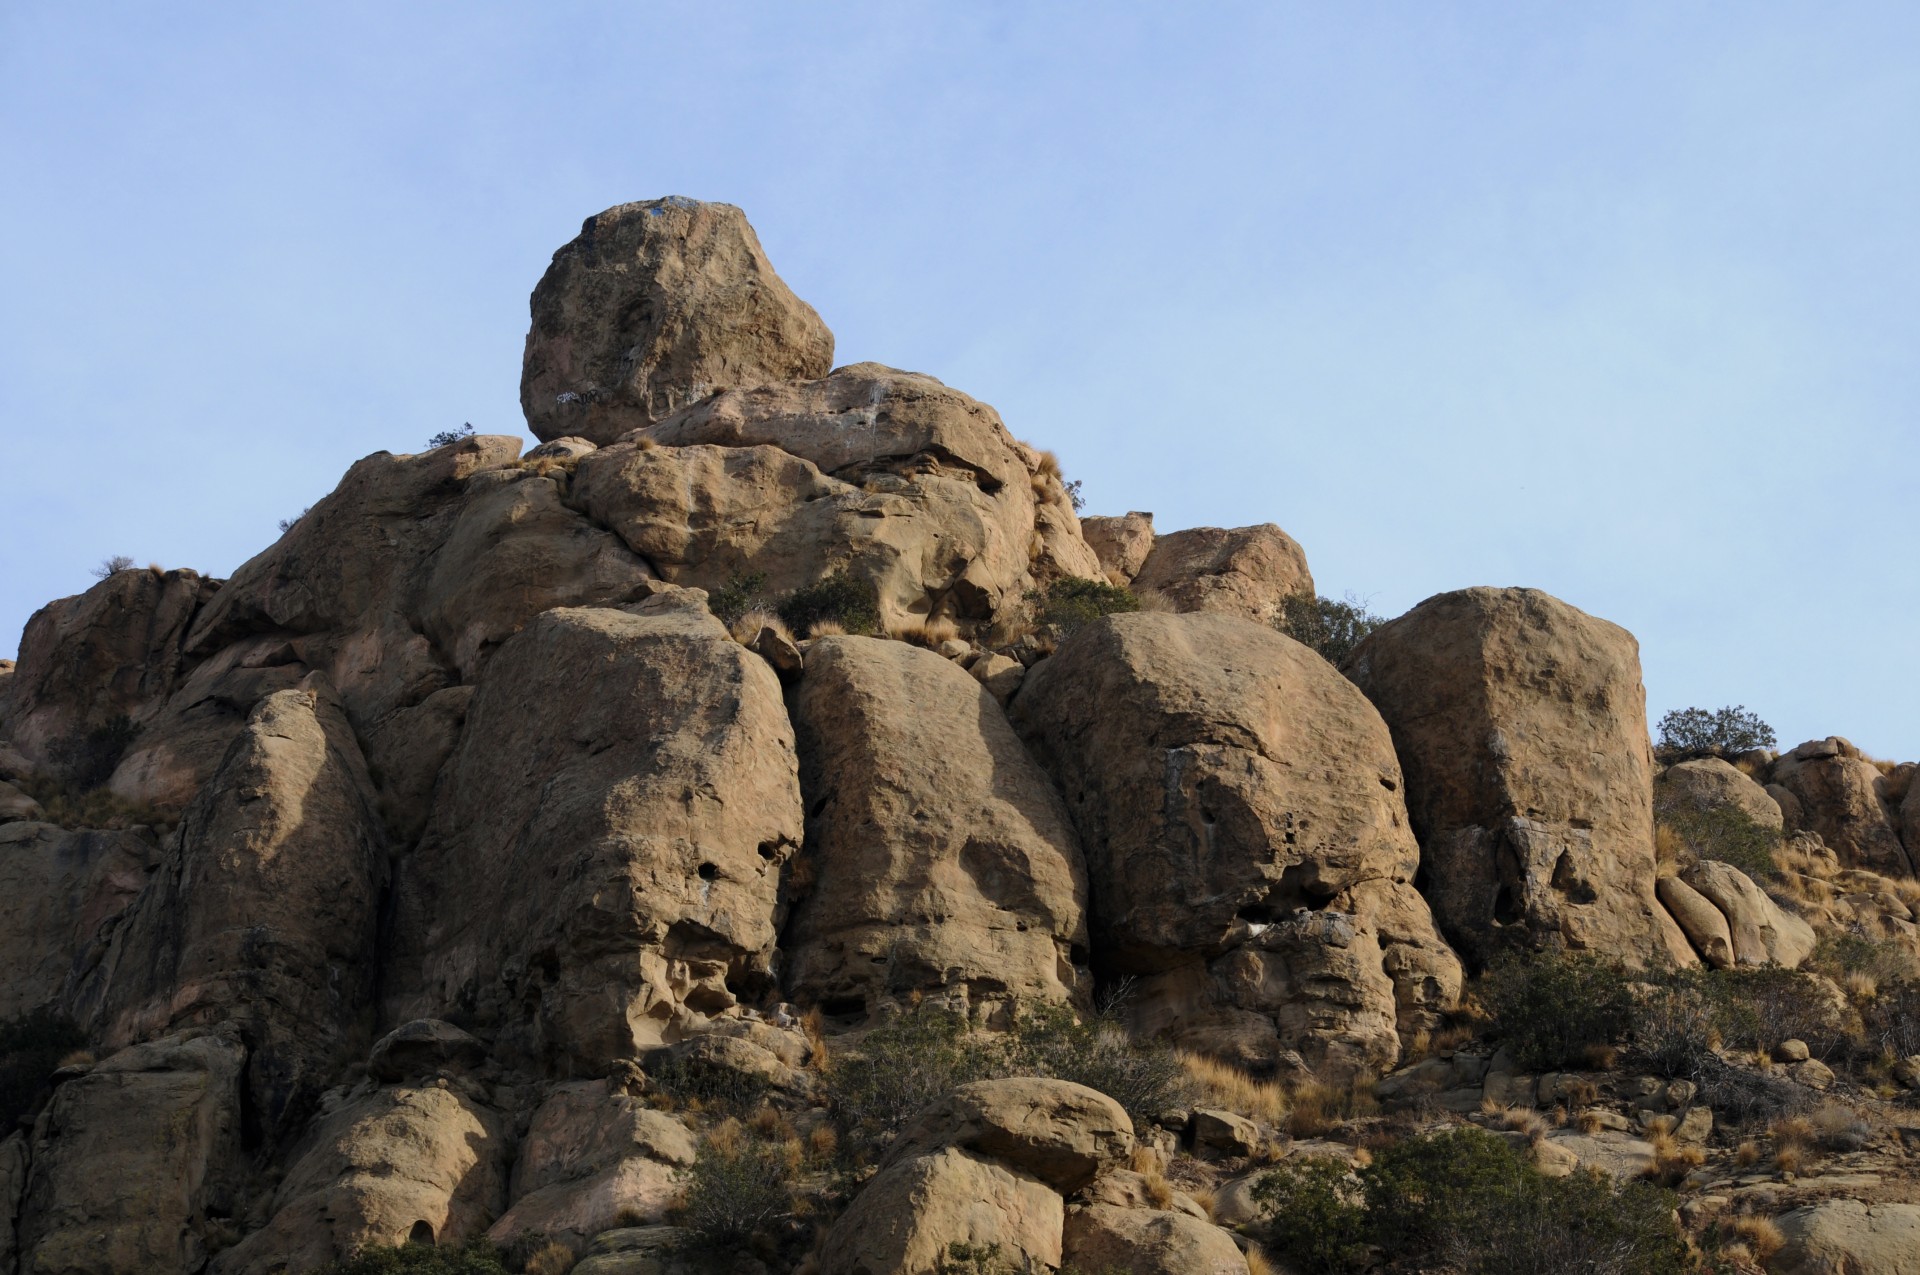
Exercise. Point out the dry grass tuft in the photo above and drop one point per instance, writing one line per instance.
(1204, 1197)
(1671, 1160)
(1159, 1190)
(645, 442)
(1669, 850)
(1047, 465)
(1747, 1154)
(1525, 1120)
(1790, 1159)
(745, 629)
(1316, 1107)
(78, 1058)
(929, 633)
(1601, 1058)
(553, 1259)
(1147, 1160)
(827, 628)
(728, 1137)
(1257, 1263)
(1225, 1085)
(1588, 1122)
(770, 1122)
(1761, 1235)
(823, 1141)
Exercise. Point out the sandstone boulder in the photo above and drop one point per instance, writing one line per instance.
(135, 1162)
(1060, 1132)
(1244, 571)
(656, 305)
(1522, 726)
(1849, 1237)
(926, 869)
(601, 869)
(1711, 784)
(905, 1220)
(1704, 924)
(1839, 792)
(1762, 932)
(264, 911)
(1148, 1242)
(393, 1166)
(62, 895)
(1121, 543)
(1239, 805)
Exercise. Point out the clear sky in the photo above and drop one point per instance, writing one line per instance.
(1620, 301)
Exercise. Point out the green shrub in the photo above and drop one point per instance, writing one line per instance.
(1552, 1007)
(1892, 1019)
(852, 603)
(725, 1089)
(905, 1065)
(733, 1190)
(1465, 1200)
(1726, 833)
(739, 595)
(1146, 1078)
(449, 436)
(475, 1257)
(1070, 603)
(1333, 628)
(1690, 1012)
(1722, 732)
(31, 1047)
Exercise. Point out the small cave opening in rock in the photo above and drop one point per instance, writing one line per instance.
(709, 872)
(422, 1233)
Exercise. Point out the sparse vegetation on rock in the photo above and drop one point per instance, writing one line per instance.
(1329, 625)
(1719, 732)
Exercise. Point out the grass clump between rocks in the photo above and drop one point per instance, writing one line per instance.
(1330, 626)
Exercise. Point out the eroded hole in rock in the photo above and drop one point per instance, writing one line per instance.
(422, 1233)
(1567, 880)
(1506, 906)
(769, 850)
(844, 1006)
(711, 871)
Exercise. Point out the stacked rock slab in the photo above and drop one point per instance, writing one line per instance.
(1839, 791)
(1521, 722)
(935, 870)
(1239, 805)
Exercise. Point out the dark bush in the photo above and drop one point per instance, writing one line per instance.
(1147, 1079)
(1331, 627)
(1316, 1216)
(112, 566)
(1726, 833)
(1723, 732)
(739, 595)
(88, 760)
(1071, 602)
(693, 1082)
(475, 1257)
(905, 1065)
(31, 1047)
(734, 1189)
(852, 603)
(1691, 1012)
(1552, 1007)
(1892, 1019)
(447, 436)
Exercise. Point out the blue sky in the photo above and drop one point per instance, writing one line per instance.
(1619, 301)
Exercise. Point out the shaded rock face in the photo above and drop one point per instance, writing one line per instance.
(1148, 1242)
(884, 475)
(62, 895)
(656, 305)
(601, 869)
(1239, 805)
(1243, 571)
(133, 1162)
(1522, 726)
(263, 912)
(1839, 792)
(926, 870)
(907, 1219)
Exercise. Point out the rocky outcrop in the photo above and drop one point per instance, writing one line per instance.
(263, 913)
(1062, 1133)
(926, 870)
(1244, 571)
(1839, 793)
(1122, 543)
(1521, 723)
(656, 305)
(907, 1219)
(135, 1163)
(1848, 1237)
(1100, 1237)
(62, 893)
(601, 869)
(1709, 783)
(1761, 931)
(388, 1167)
(1704, 924)
(1239, 805)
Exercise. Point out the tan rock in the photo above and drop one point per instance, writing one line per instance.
(646, 1250)
(1793, 815)
(925, 869)
(265, 908)
(62, 893)
(1839, 790)
(16, 805)
(1704, 924)
(1060, 1132)
(906, 1219)
(1244, 571)
(601, 868)
(1849, 1237)
(1121, 543)
(656, 305)
(1224, 1132)
(1001, 675)
(133, 1161)
(1100, 1237)
(1522, 726)
(1910, 821)
(1711, 784)
(408, 748)
(1239, 805)
(564, 449)
(1125, 1189)
(1762, 931)
(1615, 1154)
(394, 1166)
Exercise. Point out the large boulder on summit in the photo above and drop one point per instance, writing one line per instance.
(1839, 793)
(938, 858)
(392, 1167)
(95, 667)
(601, 869)
(62, 894)
(1522, 726)
(264, 911)
(1121, 542)
(1239, 805)
(655, 305)
(137, 1163)
(1244, 571)
(885, 475)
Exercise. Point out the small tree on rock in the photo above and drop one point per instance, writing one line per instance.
(1723, 732)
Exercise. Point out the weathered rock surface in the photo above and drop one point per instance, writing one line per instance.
(1848, 1237)
(656, 305)
(1711, 784)
(1839, 793)
(62, 893)
(1239, 805)
(1100, 1237)
(1522, 726)
(1761, 930)
(1704, 924)
(906, 1219)
(601, 869)
(421, 1049)
(1122, 543)
(134, 1163)
(264, 911)
(926, 870)
(392, 1166)
(1244, 571)
(1060, 1132)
